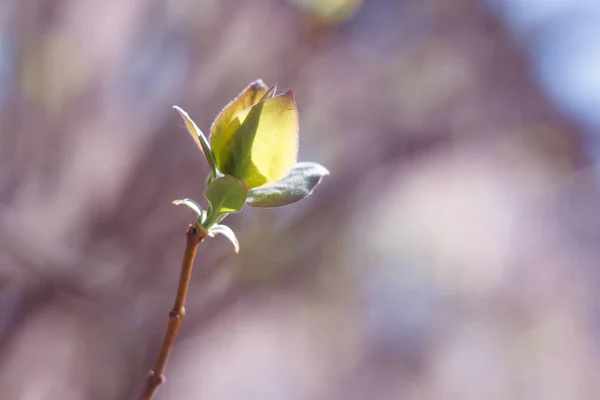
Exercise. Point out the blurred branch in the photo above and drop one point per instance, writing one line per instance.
(156, 376)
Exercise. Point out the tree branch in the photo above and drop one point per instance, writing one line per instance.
(156, 375)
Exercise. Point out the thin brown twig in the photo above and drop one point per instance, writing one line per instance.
(156, 375)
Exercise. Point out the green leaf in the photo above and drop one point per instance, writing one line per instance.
(198, 137)
(264, 147)
(225, 195)
(194, 206)
(228, 233)
(300, 183)
(219, 135)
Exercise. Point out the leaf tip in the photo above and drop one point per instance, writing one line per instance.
(191, 204)
(289, 94)
(257, 84)
(183, 114)
(270, 93)
(323, 171)
(228, 233)
(179, 110)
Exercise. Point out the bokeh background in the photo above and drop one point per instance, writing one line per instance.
(452, 253)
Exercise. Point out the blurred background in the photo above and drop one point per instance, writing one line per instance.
(452, 253)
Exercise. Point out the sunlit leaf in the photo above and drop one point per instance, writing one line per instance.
(251, 95)
(219, 136)
(298, 184)
(224, 142)
(226, 195)
(228, 233)
(264, 147)
(198, 137)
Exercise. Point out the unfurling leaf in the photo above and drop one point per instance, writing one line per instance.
(298, 184)
(198, 137)
(264, 147)
(228, 233)
(219, 136)
(194, 206)
(225, 195)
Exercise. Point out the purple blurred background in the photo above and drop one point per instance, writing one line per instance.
(452, 253)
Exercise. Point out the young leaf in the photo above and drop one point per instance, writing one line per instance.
(228, 233)
(300, 182)
(251, 95)
(264, 147)
(194, 206)
(198, 137)
(223, 143)
(226, 195)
